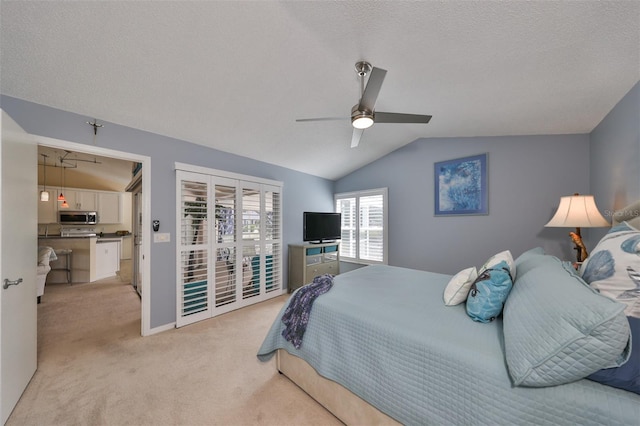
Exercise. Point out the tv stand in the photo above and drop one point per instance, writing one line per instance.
(307, 261)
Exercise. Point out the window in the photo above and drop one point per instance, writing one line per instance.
(364, 225)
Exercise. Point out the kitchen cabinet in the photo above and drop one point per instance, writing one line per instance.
(81, 200)
(110, 207)
(107, 258)
(108, 204)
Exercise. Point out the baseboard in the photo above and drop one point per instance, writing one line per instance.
(161, 328)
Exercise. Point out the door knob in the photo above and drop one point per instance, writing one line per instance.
(7, 283)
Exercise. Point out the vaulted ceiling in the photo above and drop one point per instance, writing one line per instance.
(236, 75)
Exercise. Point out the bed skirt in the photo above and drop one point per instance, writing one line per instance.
(346, 406)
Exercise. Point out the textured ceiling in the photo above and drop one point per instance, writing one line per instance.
(236, 75)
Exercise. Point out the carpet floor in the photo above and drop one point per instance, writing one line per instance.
(94, 368)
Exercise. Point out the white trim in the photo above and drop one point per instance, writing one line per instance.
(160, 329)
(223, 173)
(145, 316)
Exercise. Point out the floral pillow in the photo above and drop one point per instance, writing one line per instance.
(613, 268)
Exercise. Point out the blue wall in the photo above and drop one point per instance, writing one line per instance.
(301, 191)
(615, 159)
(527, 176)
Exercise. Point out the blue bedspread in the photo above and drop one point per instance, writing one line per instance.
(384, 333)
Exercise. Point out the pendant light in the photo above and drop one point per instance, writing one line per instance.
(64, 204)
(44, 194)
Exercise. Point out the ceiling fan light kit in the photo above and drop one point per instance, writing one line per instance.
(363, 114)
(361, 119)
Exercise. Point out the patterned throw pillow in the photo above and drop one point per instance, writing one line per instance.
(489, 292)
(458, 288)
(497, 258)
(613, 268)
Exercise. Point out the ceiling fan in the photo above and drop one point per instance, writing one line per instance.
(363, 114)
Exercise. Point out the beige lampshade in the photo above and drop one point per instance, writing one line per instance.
(577, 211)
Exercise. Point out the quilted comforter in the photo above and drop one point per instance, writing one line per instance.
(383, 333)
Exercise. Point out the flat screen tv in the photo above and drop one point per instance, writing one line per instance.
(321, 227)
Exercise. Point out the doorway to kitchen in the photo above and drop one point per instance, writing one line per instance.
(137, 201)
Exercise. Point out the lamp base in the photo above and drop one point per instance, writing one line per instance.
(581, 250)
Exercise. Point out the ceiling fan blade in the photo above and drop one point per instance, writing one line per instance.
(393, 117)
(324, 119)
(371, 91)
(355, 139)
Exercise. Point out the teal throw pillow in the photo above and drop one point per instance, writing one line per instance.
(489, 292)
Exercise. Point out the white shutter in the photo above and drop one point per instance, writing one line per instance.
(364, 225)
(229, 244)
(348, 240)
(251, 237)
(273, 240)
(193, 296)
(371, 228)
(225, 241)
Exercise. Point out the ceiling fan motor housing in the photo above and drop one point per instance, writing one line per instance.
(361, 119)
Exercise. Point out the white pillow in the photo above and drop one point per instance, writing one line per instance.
(497, 258)
(458, 288)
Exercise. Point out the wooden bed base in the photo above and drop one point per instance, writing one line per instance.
(346, 406)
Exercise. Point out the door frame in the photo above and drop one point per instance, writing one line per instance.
(145, 314)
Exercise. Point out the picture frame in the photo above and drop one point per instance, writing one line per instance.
(461, 186)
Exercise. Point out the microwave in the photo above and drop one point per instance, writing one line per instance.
(70, 217)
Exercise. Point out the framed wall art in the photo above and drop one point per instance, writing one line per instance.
(461, 186)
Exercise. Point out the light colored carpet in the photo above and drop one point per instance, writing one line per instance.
(95, 369)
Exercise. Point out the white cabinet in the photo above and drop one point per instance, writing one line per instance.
(107, 259)
(81, 200)
(110, 207)
(48, 210)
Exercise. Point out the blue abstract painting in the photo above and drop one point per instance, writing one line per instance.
(461, 186)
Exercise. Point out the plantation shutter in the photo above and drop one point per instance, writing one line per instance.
(348, 240)
(363, 225)
(230, 243)
(194, 297)
(371, 238)
(273, 240)
(225, 241)
(251, 238)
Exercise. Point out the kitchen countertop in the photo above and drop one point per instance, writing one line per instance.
(58, 237)
(111, 236)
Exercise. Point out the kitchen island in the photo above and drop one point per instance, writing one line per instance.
(92, 258)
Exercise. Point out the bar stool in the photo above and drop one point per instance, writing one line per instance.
(67, 264)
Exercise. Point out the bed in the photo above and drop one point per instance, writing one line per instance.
(372, 355)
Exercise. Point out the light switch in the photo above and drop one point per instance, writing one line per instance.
(161, 237)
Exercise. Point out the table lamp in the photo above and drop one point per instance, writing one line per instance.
(579, 211)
